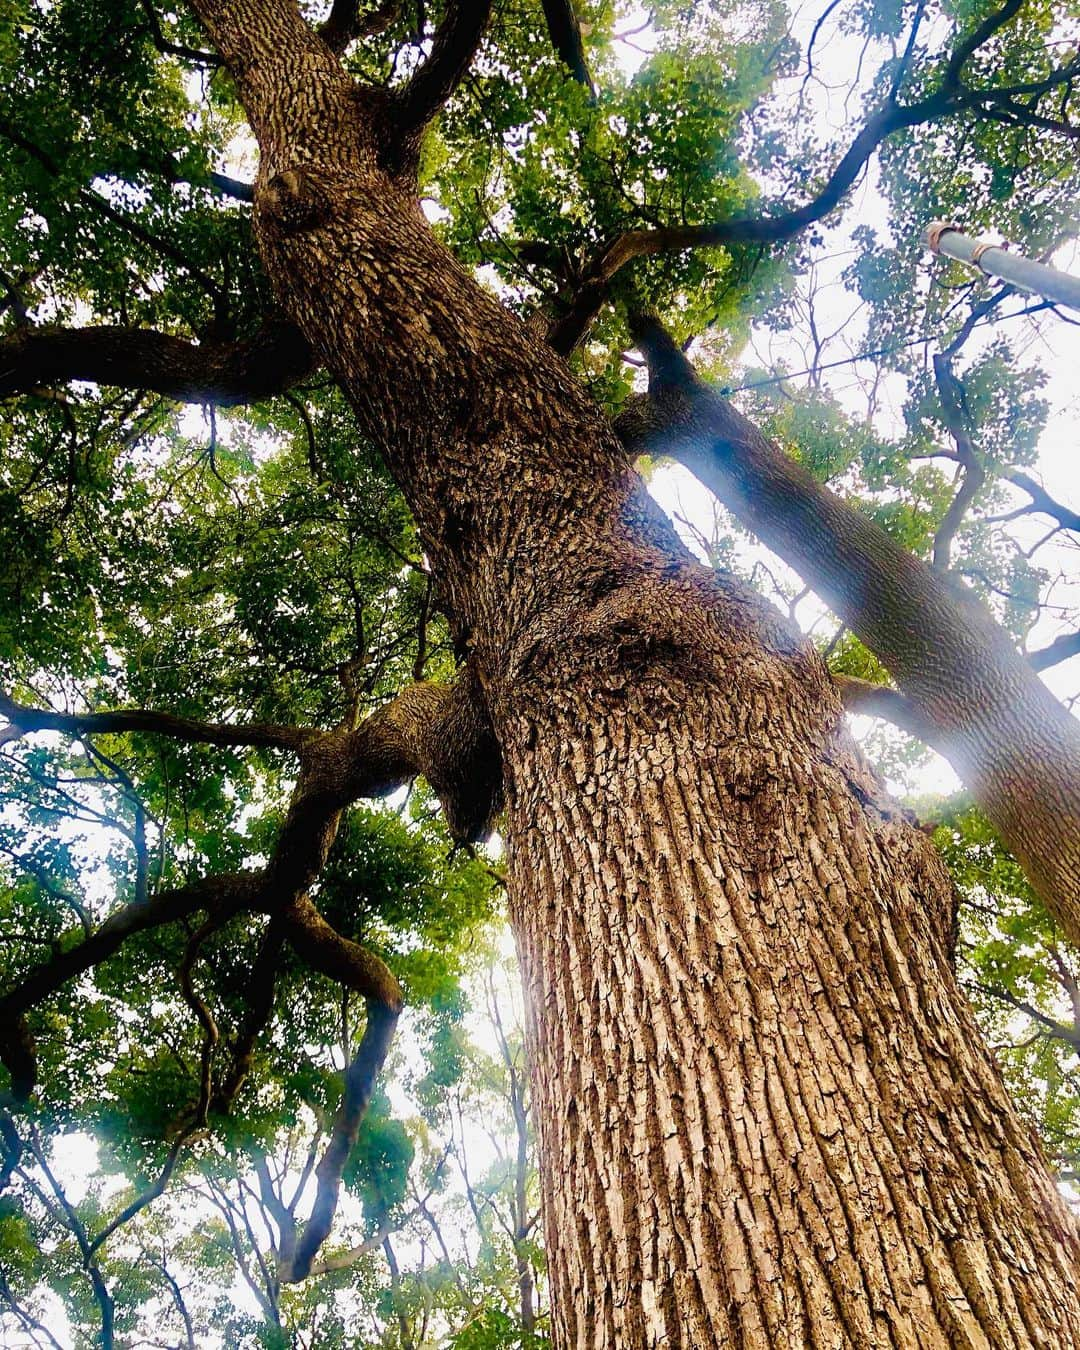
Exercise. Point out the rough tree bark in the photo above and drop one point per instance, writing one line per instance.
(766, 1116)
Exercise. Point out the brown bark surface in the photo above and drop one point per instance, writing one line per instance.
(767, 1117)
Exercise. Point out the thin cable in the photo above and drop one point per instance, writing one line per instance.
(727, 390)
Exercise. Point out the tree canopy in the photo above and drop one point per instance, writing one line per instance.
(230, 863)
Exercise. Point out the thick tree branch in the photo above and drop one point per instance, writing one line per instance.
(1011, 741)
(1061, 649)
(867, 699)
(437, 730)
(227, 374)
(345, 24)
(452, 51)
(26, 719)
(565, 32)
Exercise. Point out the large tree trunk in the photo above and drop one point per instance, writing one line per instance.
(766, 1116)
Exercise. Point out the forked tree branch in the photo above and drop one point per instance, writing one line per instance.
(438, 730)
(1041, 500)
(780, 225)
(345, 24)
(982, 704)
(452, 51)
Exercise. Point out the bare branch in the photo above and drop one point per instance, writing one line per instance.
(1061, 649)
(345, 24)
(227, 374)
(565, 33)
(1042, 501)
(25, 719)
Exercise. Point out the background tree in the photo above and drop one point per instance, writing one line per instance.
(209, 628)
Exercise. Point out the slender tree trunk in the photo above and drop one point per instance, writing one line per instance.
(766, 1116)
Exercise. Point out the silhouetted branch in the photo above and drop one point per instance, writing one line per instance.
(345, 24)
(452, 51)
(226, 374)
(565, 33)
(1042, 501)
(1063, 647)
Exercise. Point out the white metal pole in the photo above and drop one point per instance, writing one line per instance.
(1060, 287)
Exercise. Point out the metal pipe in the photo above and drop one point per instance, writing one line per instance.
(1060, 287)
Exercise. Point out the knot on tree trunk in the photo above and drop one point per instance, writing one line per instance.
(294, 201)
(465, 765)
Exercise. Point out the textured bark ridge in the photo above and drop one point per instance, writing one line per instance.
(767, 1119)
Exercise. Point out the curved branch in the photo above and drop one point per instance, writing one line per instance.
(568, 330)
(324, 949)
(25, 719)
(227, 374)
(359, 1084)
(226, 894)
(353, 966)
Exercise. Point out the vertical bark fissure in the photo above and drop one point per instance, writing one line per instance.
(867, 1182)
